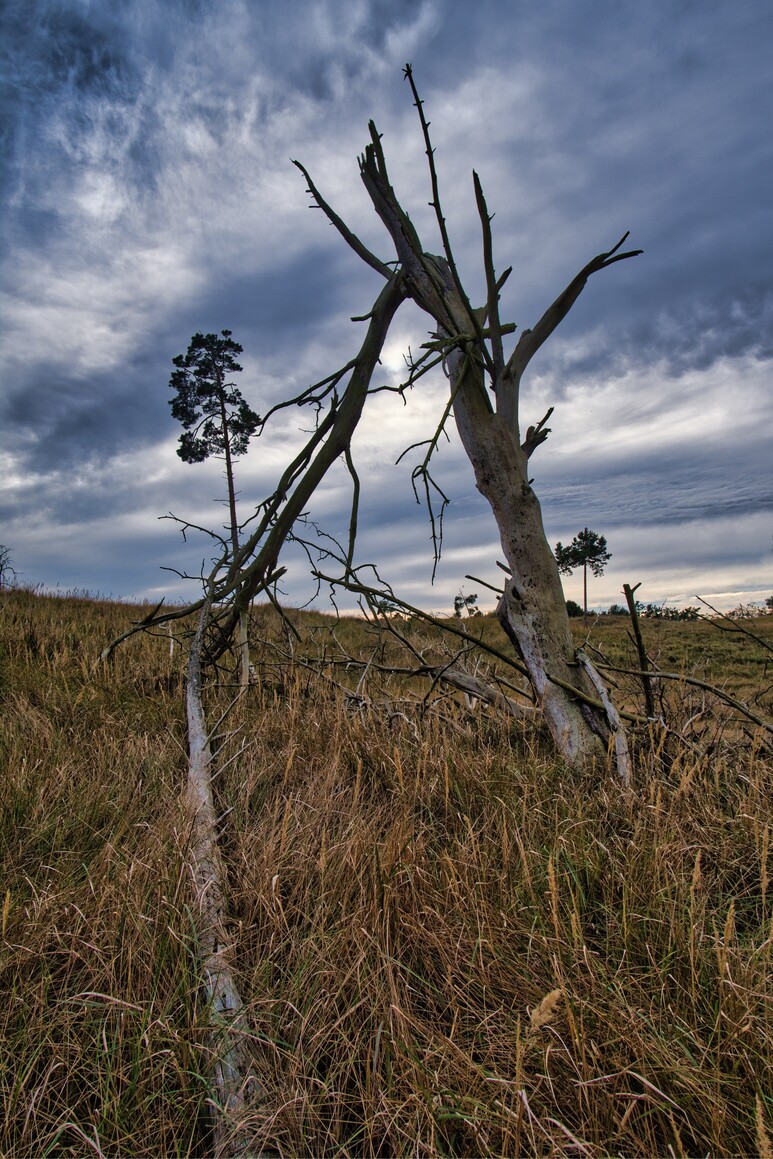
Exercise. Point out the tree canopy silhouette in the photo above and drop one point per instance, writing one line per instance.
(217, 421)
(588, 549)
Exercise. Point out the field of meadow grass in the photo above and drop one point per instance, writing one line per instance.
(448, 944)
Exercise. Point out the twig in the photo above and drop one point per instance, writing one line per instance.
(350, 238)
(736, 627)
(649, 699)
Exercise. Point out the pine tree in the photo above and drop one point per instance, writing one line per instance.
(587, 550)
(217, 421)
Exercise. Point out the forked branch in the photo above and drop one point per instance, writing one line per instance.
(492, 304)
(350, 238)
(537, 434)
(435, 204)
(531, 340)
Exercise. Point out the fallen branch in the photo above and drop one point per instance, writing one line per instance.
(235, 1085)
(738, 705)
(622, 756)
(446, 626)
(473, 686)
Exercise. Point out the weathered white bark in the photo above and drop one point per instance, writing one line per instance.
(622, 756)
(235, 1086)
(532, 610)
(478, 689)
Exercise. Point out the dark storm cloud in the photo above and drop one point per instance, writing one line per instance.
(63, 414)
(660, 487)
(657, 130)
(60, 56)
(149, 194)
(272, 306)
(61, 420)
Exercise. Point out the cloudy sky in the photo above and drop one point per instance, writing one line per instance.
(148, 193)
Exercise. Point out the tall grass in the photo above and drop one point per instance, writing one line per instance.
(448, 944)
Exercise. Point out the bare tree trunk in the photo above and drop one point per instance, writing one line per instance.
(234, 1083)
(644, 664)
(532, 610)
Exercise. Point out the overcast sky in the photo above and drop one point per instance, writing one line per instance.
(148, 193)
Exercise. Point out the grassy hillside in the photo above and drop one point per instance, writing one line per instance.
(447, 944)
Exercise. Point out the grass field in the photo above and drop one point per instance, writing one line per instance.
(448, 945)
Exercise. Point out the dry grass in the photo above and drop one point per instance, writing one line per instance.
(448, 944)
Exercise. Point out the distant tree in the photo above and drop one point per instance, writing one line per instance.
(217, 421)
(587, 550)
(466, 604)
(769, 603)
(216, 418)
(618, 610)
(746, 612)
(573, 609)
(7, 570)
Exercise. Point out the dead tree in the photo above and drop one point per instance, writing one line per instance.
(484, 394)
(484, 398)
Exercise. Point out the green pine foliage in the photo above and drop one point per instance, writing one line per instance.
(587, 550)
(212, 410)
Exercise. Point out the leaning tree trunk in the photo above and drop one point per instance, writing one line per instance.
(532, 610)
(244, 639)
(234, 1085)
